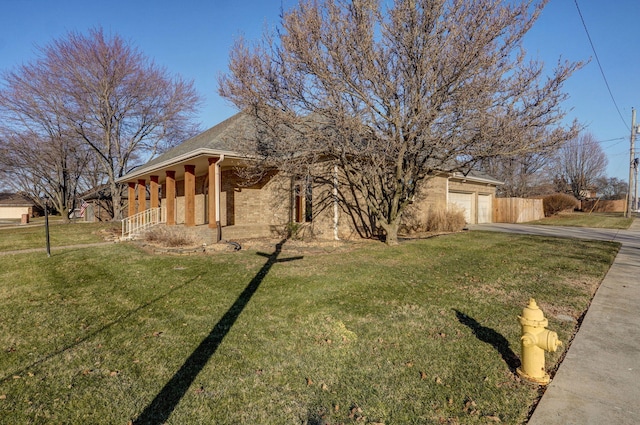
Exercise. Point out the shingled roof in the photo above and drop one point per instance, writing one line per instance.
(8, 199)
(477, 176)
(218, 140)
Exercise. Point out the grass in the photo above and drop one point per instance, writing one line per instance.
(581, 219)
(60, 234)
(425, 332)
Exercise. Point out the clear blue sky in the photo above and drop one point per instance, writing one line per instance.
(192, 38)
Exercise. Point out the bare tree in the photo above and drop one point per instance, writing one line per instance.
(44, 170)
(114, 100)
(392, 92)
(523, 175)
(579, 164)
(610, 188)
(38, 153)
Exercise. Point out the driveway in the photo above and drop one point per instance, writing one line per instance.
(630, 237)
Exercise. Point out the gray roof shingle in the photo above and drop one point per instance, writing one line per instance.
(9, 199)
(217, 138)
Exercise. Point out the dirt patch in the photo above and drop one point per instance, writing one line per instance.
(560, 312)
(267, 245)
(166, 243)
(111, 234)
(309, 247)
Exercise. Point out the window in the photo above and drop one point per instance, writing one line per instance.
(303, 201)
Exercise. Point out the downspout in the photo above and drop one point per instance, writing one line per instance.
(217, 196)
(335, 203)
(446, 195)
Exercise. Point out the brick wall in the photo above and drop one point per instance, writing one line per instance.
(266, 202)
(270, 202)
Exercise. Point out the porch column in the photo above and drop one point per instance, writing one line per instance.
(189, 195)
(142, 195)
(153, 188)
(171, 198)
(213, 193)
(132, 199)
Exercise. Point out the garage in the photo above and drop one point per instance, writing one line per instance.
(14, 205)
(485, 209)
(464, 202)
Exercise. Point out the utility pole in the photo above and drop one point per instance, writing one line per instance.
(632, 155)
(636, 164)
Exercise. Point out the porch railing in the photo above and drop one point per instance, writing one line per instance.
(136, 223)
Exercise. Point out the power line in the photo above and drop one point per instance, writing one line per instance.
(625, 153)
(612, 140)
(617, 141)
(600, 65)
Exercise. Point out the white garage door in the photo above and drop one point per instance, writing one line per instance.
(13, 212)
(484, 209)
(462, 201)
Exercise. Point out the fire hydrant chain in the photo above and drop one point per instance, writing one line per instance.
(535, 340)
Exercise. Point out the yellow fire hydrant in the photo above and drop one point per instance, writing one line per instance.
(535, 340)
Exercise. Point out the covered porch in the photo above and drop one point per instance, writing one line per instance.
(185, 192)
(206, 192)
(197, 184)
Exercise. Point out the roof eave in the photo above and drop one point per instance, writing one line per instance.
(144, 170)
(476, 179)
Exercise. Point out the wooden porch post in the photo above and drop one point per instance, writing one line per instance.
(142, 195)
(153, 188)
(171, 198)
(132, 199)
(189, 195)
(213, 192)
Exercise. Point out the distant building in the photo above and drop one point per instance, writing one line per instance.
(14, 205)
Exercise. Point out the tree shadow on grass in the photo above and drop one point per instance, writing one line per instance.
(491, 337)
(159, 410)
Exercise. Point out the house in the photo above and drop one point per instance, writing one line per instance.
(197, 184)
(99, 205)
(14, 205)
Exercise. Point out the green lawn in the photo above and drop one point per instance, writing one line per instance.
(60, 234)
(582, 219)
(425, 332)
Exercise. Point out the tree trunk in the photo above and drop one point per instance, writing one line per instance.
(116, 201)
(391, 230)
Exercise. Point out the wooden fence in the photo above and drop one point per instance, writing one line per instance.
(619, 205)
(517, 210)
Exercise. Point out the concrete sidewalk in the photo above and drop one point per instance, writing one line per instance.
(599, 380)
